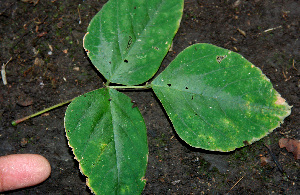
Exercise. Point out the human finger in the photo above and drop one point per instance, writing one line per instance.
(22, 170)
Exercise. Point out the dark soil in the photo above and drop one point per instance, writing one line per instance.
(49, 66)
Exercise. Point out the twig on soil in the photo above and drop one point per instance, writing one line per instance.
(15, 122)
(3, 73)
(294, 64)
(285, 76)
(274, 158)
(242, 32)
(271, 29)
(268, 30)
(236, 183)
(79, 15)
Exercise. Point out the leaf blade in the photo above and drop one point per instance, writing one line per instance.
(218, 91)
(108, 138)
(127, 40)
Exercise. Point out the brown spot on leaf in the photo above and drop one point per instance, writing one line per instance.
(220, 58)
(279, 100)
(143, 179)
(129, 42)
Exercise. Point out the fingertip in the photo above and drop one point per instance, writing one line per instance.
(22, 170)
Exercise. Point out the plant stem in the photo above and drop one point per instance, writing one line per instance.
(15, 122)
(130, 87)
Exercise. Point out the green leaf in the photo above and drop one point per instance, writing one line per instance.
(217, 100)
(128, 39)
(109, 139)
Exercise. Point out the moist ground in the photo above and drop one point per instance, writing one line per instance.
(49, 66)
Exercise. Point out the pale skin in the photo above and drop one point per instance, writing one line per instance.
(22, 170)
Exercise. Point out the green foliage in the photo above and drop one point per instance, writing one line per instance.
(216, 99)
(127, 40)
(109, 139)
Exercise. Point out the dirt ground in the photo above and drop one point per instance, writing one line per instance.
(49, 66)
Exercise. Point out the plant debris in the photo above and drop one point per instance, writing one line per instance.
(264, 160)
(274, 158)
(31, 1)
(3, 73)
(291, 145)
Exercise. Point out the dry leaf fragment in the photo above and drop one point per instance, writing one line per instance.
(76, 68)
(24, 101)
(264, 160)
(39, 62)
(291, 145)
(31, 1)
(237, 3)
